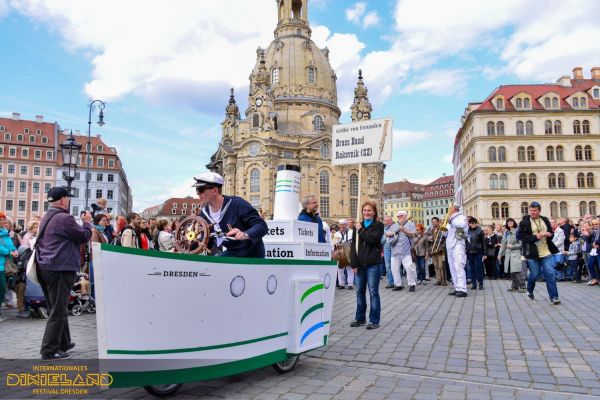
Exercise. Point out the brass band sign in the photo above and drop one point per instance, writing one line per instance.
(362, 142)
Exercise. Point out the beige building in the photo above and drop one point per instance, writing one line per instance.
(292, 107)
(407, 196)
(531, 142)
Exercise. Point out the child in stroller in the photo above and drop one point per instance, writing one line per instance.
(80, 300)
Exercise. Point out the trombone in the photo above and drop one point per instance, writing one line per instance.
(439, 235)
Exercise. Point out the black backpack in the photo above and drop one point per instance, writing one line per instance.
(117, 240)
(22, 264)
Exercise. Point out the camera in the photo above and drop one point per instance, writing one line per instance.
(95, 209)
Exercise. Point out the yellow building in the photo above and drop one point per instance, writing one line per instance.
(407, 196)
(292, 107)
(531, 142)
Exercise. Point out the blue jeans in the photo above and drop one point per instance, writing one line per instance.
(476, 263)
(368, 276)
(559, 258)
(574, 269)
(591, 267)
(545, 265)
(387, 259)
(421, 268)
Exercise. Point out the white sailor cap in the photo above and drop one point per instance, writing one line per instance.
(402, 212)
(208, 179)
(343, 221)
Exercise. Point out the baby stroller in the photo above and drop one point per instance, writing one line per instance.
(35, 300)
(79, 302)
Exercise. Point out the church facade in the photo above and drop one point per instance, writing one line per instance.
(292, 107)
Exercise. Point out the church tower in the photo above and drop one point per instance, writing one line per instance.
(292, 107)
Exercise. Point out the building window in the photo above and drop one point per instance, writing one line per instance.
(500, 128)
(47, 187)
(492, 154)
(100, 162)
(35, 187)
(582, 208)
(100, 148)
(548, 127)
(529, 128)
(530, 153)
(9, 205)
(324, 182)
(25, 153)
(524, 209)
(521, 153)
(586, 127)
(557, 128)
(580, 180)
(578, 153)
(547, 102)
(10, 186)
(592, 207)
(111, 163)
(575, 102)
(491, 129)
(504, 210)
(549, 153)
(23, 188)
(7, 136)
(36, 171)
(99, 177)
(12, 152)
(35, 206)
(532, 181)
(552, 181)
(254, 180)
(49, 155)
(526, 103)
(11, 169)
(44, 140)
(520, 128)
(503, 182)
(21, 205)
(495, 210)
(519, 103)
(318, 123)
(75, 192)
(20, 137)
(312, 75)
(493, 181)
(325, 151)
(324, 206)
(98, 193)
(46, 205)
(37, 154)
(554, 209)
(564, 210)
(590, 180)
(501, 154)
(500, 103)
(275, 76)
(561, 181)
(255, 120)
(588, 153)
(111, 178)
(555, 102)
(522, 181)
(109, 194)
(596, 93)
(48, 171)
(560, 153)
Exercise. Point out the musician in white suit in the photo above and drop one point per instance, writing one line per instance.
(456, 251)
(401, 236)
(344, 235)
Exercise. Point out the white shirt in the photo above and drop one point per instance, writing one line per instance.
(457, 221)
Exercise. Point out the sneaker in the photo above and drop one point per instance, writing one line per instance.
(555, 301)
(397, 288)
(42, 313)
(350, 288)
(411, 288)
(522, 290)
(341, 287)
(530, 295)
(56, 356)
(389, 286)
(372, 326)
(356, 323)
(461, 294)
(69, 347)
(480, 287)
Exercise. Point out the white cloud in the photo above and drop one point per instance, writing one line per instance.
(447, 159)
(371, 19)
(440, 83)
(354, 13)
(3, 8)
(406, 138)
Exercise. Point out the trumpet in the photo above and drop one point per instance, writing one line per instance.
(439, 236)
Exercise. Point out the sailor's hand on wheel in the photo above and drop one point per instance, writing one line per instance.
(237, 234)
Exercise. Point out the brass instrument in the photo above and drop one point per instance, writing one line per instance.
(439, 236)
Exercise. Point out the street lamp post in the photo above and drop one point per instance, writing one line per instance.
(88, 176)
(70, 150)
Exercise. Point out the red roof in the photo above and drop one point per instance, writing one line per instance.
(441, 184)
(537, 91)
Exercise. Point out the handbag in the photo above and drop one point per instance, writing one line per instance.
(32, 263)
(10, 268)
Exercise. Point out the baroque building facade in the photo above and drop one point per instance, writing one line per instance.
(439, 196)
(406, 196)
(292, 107)
(531, 142)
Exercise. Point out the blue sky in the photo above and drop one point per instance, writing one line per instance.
(164, 69)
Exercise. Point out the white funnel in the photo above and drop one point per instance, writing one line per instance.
(287, 193)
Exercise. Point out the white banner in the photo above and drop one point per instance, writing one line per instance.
(362, 142)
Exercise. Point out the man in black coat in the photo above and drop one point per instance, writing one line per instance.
(535, 232)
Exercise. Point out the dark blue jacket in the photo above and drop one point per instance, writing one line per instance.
(241, 215)
(58, 249)
(314, 218)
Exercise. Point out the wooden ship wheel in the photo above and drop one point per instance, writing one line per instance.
(192, 235)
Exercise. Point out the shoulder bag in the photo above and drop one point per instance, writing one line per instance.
(32, 263)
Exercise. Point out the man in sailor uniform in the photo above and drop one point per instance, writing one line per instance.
(237, 227)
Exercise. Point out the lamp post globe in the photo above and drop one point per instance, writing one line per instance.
(101, 123)
(70, 150)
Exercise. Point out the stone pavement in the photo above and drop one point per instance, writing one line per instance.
(493, 344)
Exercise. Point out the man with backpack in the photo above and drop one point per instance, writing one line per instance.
(128, 236)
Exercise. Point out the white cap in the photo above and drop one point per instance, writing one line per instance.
(402, 212)
(208, 178)
(343, 221)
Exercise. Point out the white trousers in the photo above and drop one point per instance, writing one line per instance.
(457, 259)
(342, 278)
(411, 269)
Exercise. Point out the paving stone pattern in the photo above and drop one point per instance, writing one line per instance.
(492, 344)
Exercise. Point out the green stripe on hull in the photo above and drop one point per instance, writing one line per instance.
(145, 378)
(311, 310)
(313, 289)
(193, 349)
(212, 260)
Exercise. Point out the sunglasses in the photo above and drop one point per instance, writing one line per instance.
(201, 189)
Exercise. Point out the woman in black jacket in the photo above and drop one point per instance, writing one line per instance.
(490, 246)
(365, 257)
